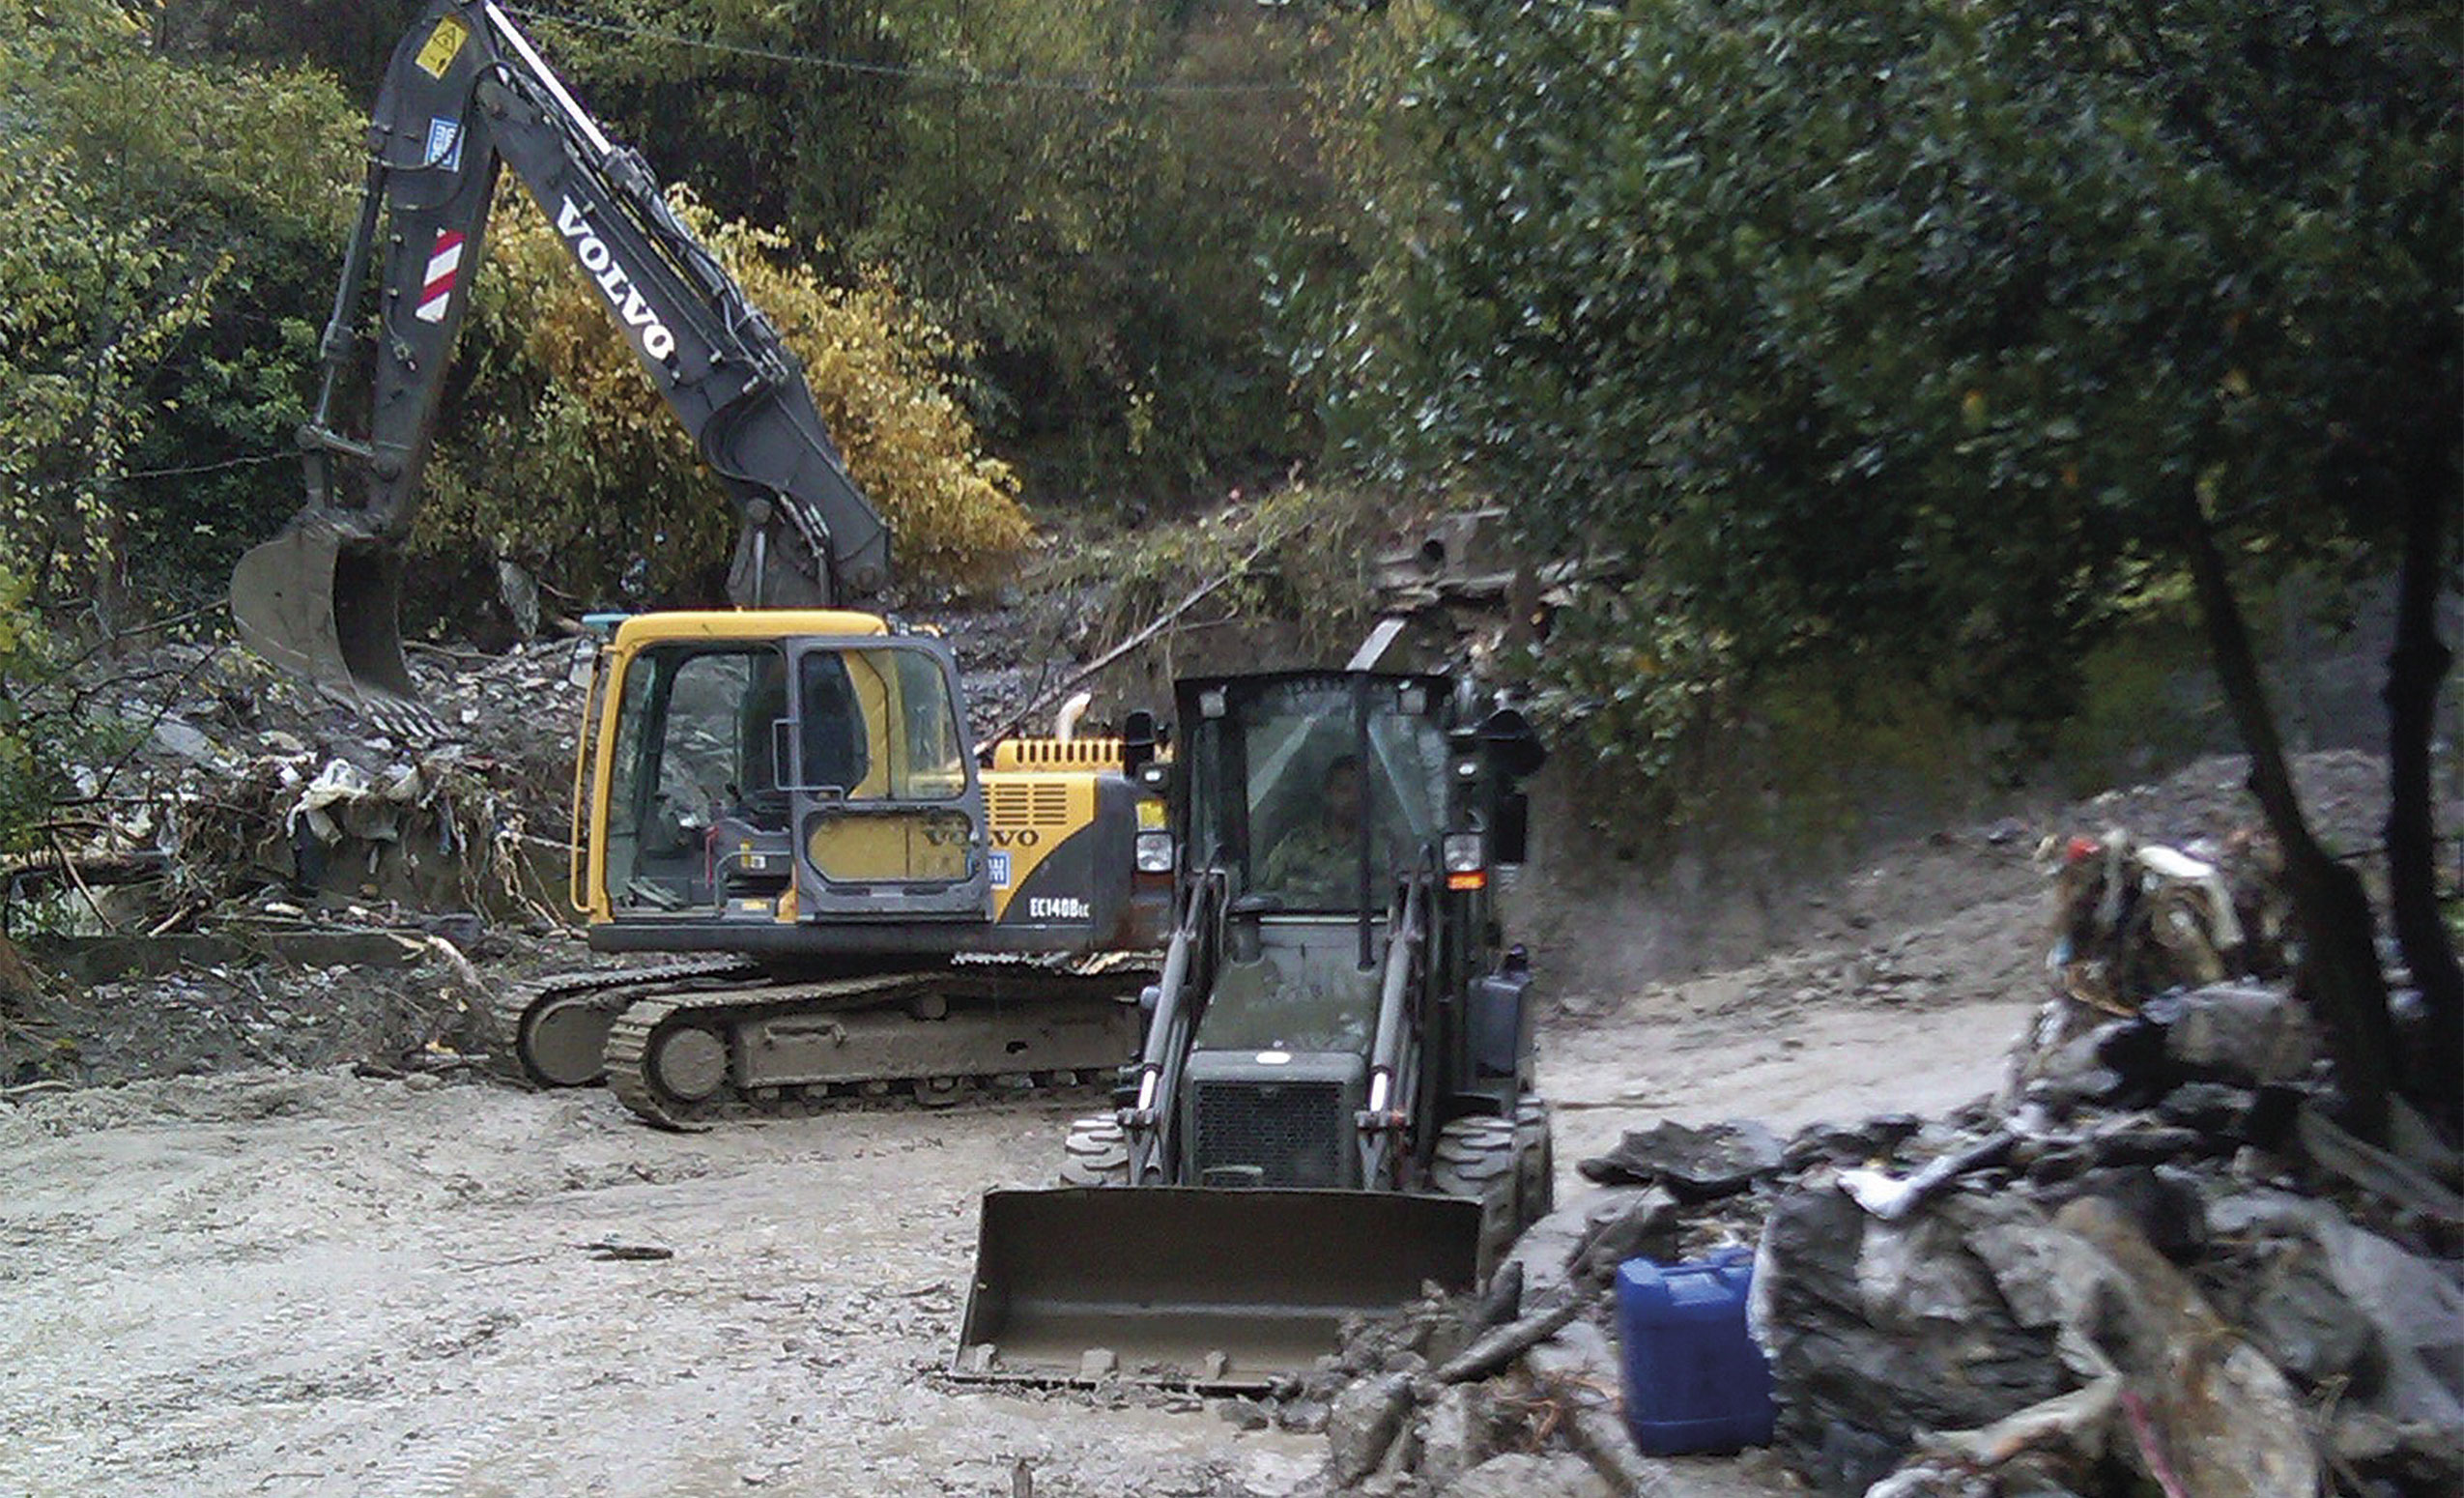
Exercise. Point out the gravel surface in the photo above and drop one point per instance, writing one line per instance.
(267, 1284)
(277, 1283)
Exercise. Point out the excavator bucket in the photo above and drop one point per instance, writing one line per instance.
(321, 602)
(1193, 1288)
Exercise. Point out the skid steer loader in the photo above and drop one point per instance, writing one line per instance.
(1333, 1105)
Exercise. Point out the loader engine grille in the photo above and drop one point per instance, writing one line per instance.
(1271, 1133)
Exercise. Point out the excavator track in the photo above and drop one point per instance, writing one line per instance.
(546, 1032)
(686, 1060)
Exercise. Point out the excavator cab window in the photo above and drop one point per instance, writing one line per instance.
(692, 744)
(831, 731)
(877, 724)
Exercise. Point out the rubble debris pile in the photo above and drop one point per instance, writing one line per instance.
(255, 876)
(2152, 1263)
(235, 786)
(2139, 1268)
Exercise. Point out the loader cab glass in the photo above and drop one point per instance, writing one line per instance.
(694, 744)
(1319, 763)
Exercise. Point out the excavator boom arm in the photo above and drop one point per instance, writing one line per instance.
(466, 93)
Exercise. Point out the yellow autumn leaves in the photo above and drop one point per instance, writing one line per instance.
(561, 453)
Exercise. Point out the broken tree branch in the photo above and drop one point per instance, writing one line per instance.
(1504, 1345)
(1154, 626)
(69, 866)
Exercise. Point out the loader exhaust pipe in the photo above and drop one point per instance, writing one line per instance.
(323, 601)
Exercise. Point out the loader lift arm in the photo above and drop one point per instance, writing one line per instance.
(466, 94)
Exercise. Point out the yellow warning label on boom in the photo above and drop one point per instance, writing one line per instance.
(443, 45)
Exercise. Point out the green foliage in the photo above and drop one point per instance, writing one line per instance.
(43, 725)
(1102, 247)
(23, 794)
(155, 260)
(561, 453)
(758, 135)
(1094, 247)
(349, 42)
(1901, 333)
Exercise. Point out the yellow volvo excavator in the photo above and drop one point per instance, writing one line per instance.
(782, 791)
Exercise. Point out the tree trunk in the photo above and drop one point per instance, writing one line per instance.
(2339, 977)
(2416, 668)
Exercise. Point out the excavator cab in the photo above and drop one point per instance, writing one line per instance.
(754, 770)
(1333, 1103)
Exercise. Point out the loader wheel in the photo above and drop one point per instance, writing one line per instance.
(1098, 1153)
(1535, 1160)
(1476, 1158)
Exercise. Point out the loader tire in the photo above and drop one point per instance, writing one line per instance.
(1098, 1153)
(1476, 1159)
(1534, 1161)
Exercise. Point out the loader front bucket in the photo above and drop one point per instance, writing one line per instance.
(1195, 1287)
(321, 602)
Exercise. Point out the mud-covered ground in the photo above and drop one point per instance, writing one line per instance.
(268, 1280)
(264, 1284)
(284, 1282)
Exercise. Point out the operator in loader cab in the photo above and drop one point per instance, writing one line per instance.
(1313, 866)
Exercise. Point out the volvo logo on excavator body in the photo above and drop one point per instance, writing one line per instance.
(632, 308)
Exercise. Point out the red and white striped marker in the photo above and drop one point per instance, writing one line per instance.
(445, 267)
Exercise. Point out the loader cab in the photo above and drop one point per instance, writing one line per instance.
(1317, 796)
(1314, 792)
(765, 768)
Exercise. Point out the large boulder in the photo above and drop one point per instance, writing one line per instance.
(1878, 1331)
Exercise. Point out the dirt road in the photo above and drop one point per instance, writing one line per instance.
(1918, 1019)
(310, 1285)
(286, 1283)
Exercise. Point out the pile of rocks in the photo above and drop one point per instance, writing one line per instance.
(2163, 1268)
(2158, 1260)
(2154, 1262)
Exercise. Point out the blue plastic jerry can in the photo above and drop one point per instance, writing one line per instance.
(1695, 1381)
